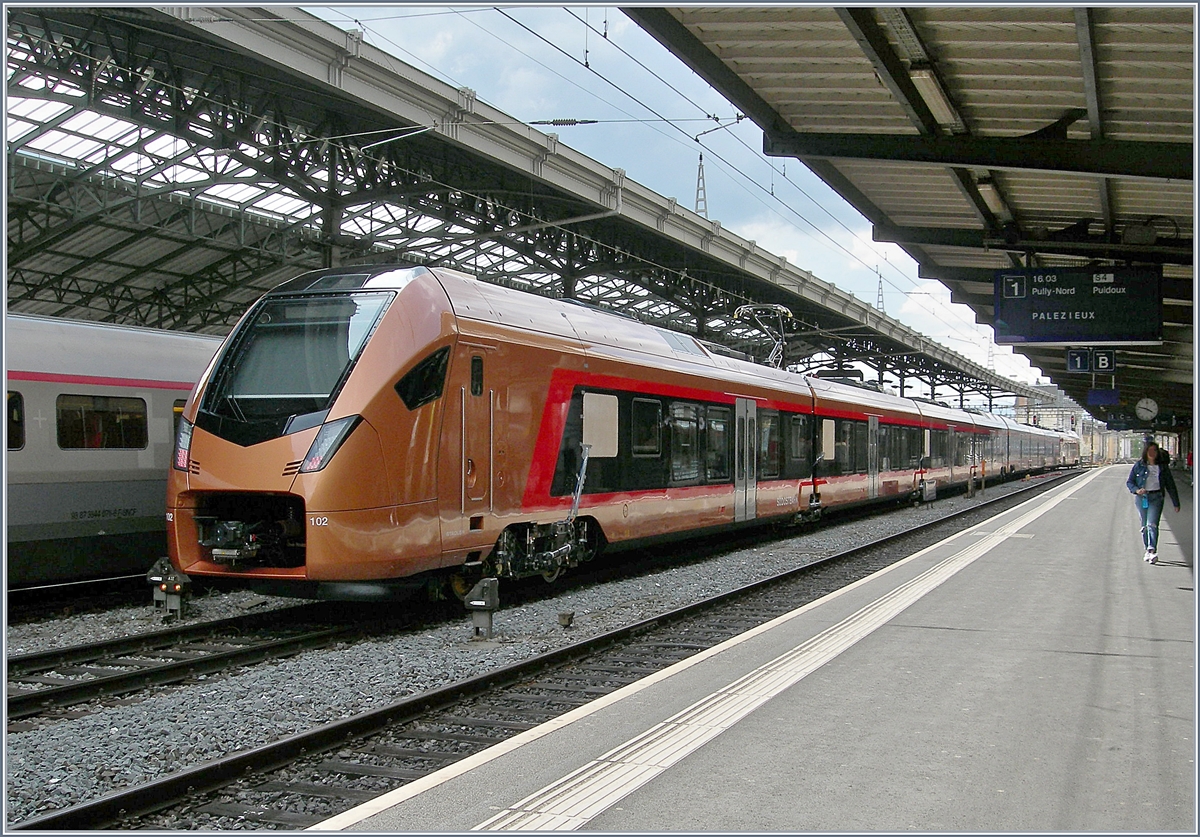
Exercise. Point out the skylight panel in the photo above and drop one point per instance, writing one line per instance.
(99, 126)
(37, 110)
(14, 129)
(65, 145)
(240, 193)
(285, 204)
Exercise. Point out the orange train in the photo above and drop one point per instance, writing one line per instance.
(365, 431)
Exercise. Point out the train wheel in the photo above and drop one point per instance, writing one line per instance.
(551, 576)
(460, 583)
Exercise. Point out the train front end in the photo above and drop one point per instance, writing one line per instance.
(299, 467)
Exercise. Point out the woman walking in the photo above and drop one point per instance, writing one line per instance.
(1147, 481)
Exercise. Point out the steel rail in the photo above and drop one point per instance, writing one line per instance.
(168, 790)
(35, 661)
(27, 704)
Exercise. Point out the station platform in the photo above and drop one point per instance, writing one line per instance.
(1031, 673)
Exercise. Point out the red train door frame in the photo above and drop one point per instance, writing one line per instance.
(745, 460)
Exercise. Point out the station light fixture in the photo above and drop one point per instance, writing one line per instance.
(994, 200)
(939, 104)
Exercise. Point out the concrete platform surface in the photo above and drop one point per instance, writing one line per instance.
(1031, 673)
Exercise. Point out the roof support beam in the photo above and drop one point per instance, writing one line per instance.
(1179, 251)
(1086, 35)
(1153, 160)
(685, 46)
(878, 50)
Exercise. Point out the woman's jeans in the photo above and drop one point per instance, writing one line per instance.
(1150, 515)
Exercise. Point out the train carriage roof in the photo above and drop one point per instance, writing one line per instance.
(54, 346)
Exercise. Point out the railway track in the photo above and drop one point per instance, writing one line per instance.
(28, 604)
(45, 681)
(305, 778)
(42, 684)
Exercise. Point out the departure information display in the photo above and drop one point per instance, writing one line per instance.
(1102, 306)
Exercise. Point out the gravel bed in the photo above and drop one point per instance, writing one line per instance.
(64, 631)
(65, 762)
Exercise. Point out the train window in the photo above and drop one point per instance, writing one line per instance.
(800, 444)
(861, 436)
(739, 455)
(600, 424)
(828, 446)
(424, 382)
(768, 443)
(884, 442)
(939, 448)
(16, 420)
(716, 433)
(853, 436)
(962, 447)
(476, 375)
(685, 458)
(292, 357)
(646, 418)
(101, 421)
(914, 449)
(751, 434)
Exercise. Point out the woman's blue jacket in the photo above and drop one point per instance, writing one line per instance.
(1137, 479)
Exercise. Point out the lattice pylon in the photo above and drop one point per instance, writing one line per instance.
(701, 194)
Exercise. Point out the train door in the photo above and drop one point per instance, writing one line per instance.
(872, 457)
(478, 419)
(745, 460)
(952, 453)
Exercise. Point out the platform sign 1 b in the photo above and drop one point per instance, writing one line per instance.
(1101, 361)
(1107, 306)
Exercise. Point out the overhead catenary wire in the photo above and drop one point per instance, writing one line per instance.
(769, 190)
(940, 301)
(721, 160)
(681, 274)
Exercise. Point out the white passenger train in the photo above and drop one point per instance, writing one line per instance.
(90, 428)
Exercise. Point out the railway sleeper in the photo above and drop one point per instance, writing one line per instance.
(256, 814)
(352, 768)
(316, 790)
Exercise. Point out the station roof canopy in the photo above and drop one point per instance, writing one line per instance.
(167, 165)
(985, 137)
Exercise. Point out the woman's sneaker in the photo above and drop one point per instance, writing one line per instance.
(1153, 559)
(1147, 556)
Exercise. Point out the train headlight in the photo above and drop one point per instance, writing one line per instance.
(183, 445)
(329, 439)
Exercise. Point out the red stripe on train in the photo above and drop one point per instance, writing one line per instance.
(98, 381)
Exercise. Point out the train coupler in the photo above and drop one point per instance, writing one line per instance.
(483, 601)
(172, 588)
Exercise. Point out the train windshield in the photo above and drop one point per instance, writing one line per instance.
(289, 362)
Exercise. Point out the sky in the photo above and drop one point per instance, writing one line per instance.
(655, 118)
